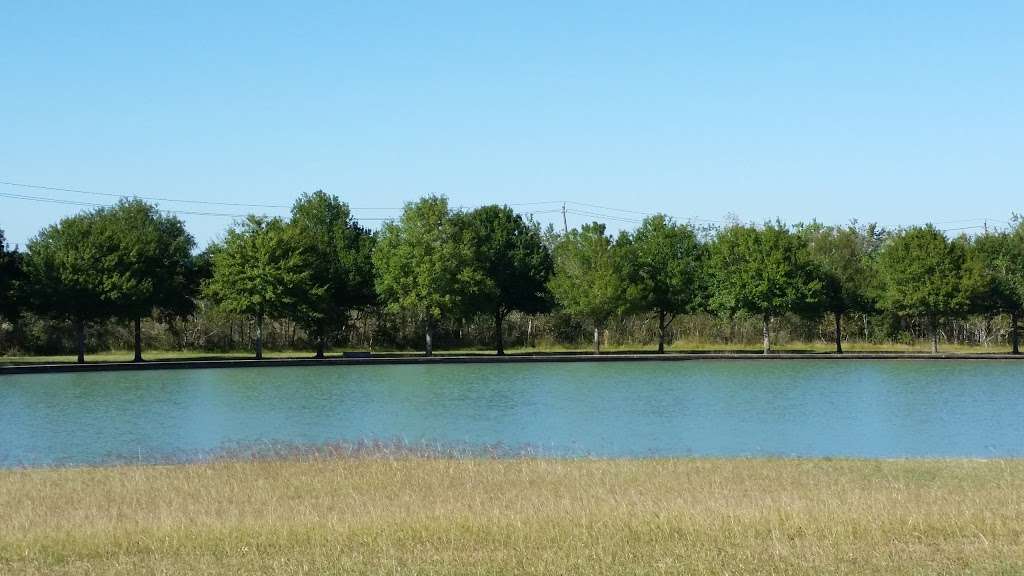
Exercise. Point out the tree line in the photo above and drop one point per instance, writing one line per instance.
(130, 261)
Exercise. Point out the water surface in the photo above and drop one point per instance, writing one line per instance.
(888, 408)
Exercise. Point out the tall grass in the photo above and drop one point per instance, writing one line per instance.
(524, 516)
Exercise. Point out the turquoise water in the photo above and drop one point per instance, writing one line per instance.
(905, 408)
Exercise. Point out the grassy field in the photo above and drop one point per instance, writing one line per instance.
(809, 347)
(516, 516)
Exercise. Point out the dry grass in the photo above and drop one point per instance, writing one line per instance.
(523, 516)
(682, 346)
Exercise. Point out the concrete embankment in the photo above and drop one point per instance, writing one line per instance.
(385, 359)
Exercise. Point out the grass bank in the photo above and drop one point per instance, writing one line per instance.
(680, 347)
(523, 516)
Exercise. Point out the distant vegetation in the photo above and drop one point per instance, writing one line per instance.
(477, 278)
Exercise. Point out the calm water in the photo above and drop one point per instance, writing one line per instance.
(720, 408)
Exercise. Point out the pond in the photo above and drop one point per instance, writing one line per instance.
(807, 408)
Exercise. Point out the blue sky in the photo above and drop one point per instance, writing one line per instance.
(896, 112)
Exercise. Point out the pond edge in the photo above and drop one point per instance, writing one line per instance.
(478, 359)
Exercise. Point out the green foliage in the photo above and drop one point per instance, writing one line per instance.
(843, 258)
(998, 260)
(511, 253)
(437, 265)
(10, 275)
(926, 276)
(424, 263)
(336, 251)
(148, 262)
(588, 281)
(65, 279)
(663, 267)
(257, 269)
(763, 271)
(516, 263)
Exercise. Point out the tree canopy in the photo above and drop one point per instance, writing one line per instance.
(664, 270)
(256, 271)
(516, 264)
(998, 260)
(10, 274)
(588, 280)
(924, 276)
(763, 271)
(65, 280)
(424, 264)
(319, 272)
(146, 263)
(842, 257)
(336, 253)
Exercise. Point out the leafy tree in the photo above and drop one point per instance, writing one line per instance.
(147, 265)
(511, 253)
(924, 275)
(424, 264)
(998, 260)
(10, 274)
(588, 280)
(841, 256)
(256, 271)
(337, 254)
(664, 270)
(65, 280)
(764, 272)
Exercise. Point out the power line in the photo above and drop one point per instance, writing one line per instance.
(286, 206)
(153, 198)
(563, 209)
(605, 216)
(97, 205)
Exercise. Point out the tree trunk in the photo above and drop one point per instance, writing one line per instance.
(320, 346)
(80, 340)
(839, 332)
(430, 337)
(138, 340)
(597, 339)
(259, 336)
(935, 335)
(1015, 332)
(661, 332)
(529, 330)
(498, 318)
(766, 335)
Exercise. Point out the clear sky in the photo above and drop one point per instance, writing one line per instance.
(896, 112)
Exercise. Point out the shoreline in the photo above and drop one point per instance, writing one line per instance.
(386, 359)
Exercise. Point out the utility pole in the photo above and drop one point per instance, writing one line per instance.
(565, 223)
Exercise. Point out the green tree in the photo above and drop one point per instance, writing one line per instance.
(588, 282)
(998, 261)
(147, 264)
(664, 270)
(64, 279)
(424, 264)
(925, 276)
(337, 254)
(10, 274)
(764, 272)
(511, 253)
(842, 258)
(257, 271)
